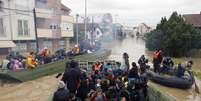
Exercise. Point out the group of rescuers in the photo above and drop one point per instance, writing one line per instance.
(105, 81)
(165, 64)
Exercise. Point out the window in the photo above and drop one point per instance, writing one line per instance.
(42, 1)
(42, 4)
(62, 44)
(66, 26)
(1, 5)
(23, 29)
(2, 34)
(3, 51)
(32, 46)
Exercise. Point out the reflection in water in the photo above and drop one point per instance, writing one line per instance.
(42, 88)
(134, 48)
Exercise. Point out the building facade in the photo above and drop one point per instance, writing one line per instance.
(54, 24)
(17, 31)
(193, 19)
(142, 29)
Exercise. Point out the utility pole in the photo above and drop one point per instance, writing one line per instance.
(92, 35)
(115, 27)
(36, 33)
(77, 29)
(85, 20)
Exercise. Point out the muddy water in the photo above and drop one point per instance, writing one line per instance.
(37, 90)
(135, 48)
(42, 88)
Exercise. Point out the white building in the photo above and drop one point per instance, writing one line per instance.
(142, 29)
(54, 25)
(16, 26)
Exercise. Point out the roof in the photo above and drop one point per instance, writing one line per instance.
(193, 19)
(7, 44)
(146, 25)
(63, 7)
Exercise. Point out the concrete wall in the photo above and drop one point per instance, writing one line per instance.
(155, 94)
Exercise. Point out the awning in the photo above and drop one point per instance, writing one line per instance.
(7, 44)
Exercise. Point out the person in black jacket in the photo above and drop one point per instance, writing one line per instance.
(62, 94)
(133, 73)
(72, 76)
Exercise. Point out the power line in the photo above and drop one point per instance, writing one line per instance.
(27, 11)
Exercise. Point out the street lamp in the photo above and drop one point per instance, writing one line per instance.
(85, 20)
(77, 29)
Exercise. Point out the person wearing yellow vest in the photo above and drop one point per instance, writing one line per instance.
(31, 62)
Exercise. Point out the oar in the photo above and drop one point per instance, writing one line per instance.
(58, 75)
(196, 86)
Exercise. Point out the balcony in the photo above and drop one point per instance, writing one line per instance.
(67, 18)
(42, 5)
(43, 13)
(67, 26)
(67, 34)
(44, 33)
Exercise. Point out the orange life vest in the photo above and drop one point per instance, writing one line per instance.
(156, 55)
(97, 67)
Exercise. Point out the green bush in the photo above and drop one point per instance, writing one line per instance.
(174, 36)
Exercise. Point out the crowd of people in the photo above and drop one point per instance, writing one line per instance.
(165, 65)
(17, 62)
(105, 81)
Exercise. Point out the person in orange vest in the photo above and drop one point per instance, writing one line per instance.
(45, 52)
(46, 55)
(31, 62)
(76, 49)
(97, 66)
(157, 59)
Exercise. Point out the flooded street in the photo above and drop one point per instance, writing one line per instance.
(36, 90)
(135, 48)
(42, 88)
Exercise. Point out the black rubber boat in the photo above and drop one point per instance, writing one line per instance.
(172, 81)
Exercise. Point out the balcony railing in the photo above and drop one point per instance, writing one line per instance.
(42, 5)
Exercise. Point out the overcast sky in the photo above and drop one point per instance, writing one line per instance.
(133, 12)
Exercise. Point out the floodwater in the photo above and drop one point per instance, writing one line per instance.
(36, 90)
(42, 88)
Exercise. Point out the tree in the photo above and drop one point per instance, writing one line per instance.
(174, 36)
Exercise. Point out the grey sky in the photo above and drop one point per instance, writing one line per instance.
(133, 12)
